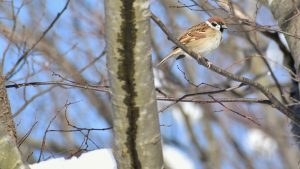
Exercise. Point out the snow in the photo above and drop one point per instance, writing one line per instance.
(103, 158)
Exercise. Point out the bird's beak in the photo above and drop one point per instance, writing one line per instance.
(224, 27)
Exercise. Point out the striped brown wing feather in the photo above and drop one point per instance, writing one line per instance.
(194, 33)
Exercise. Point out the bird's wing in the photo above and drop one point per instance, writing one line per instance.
(193, 33)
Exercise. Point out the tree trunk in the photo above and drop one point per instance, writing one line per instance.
(6, 119)
(9, 154)
(10, 157)
(135, 117)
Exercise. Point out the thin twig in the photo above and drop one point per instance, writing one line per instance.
(238, 113)
(202, 93)
(59, 83)
(27, 52)
(227, 100)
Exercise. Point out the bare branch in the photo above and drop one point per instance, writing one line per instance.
(275, 102)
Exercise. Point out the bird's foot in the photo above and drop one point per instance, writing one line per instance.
(206, 60)
(209, 64)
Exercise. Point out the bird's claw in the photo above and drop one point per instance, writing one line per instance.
(209, 64)
(206, 60)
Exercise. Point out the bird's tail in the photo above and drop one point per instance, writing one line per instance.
(175, 52)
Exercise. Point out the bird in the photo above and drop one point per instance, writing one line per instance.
(201, 38)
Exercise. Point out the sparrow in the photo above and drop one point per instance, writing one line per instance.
(201, 38)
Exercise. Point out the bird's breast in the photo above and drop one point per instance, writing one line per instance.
(206, 45)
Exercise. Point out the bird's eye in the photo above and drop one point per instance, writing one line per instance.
(214, 24)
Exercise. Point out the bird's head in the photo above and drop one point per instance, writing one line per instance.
(217, 23)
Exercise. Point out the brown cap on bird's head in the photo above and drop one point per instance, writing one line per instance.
(219, 20)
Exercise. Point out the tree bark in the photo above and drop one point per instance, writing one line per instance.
(10, 157)
(6, 119)
(135, 117)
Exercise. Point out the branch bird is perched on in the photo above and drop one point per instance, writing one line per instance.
(201, 38)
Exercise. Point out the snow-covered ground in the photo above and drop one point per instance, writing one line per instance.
(104, 159)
